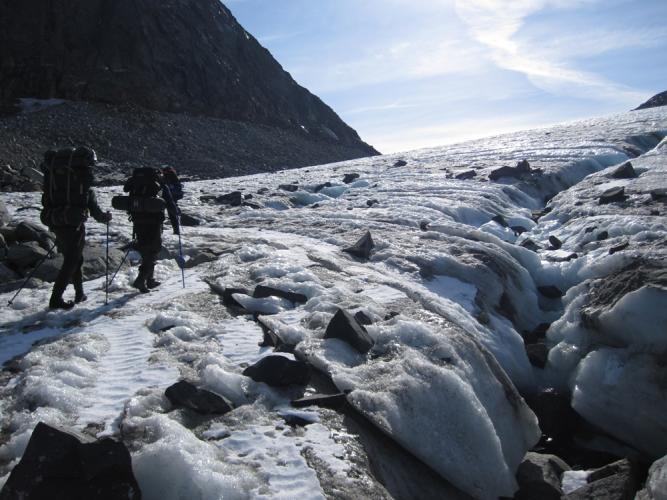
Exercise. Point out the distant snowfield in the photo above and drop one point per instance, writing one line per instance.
(441, 377)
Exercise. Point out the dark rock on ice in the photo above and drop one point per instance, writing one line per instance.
(296, 420)
(590, 229)
(390, 315)
(250, 204)
(57, 465)
(362, 318)
(333, 401)
(226, 294)
(530, 245)
(320, 187)
(601, 236)
(279, 371)
(518, 230)
(539, 476)
(262, 291)
(263, 190)
(522, 168)
(343, 326)
(550, 291)
(659, 194)
(538, 354)
(625, 171)
(613, 195)
(189, 220)
(555, 243)
(4, 214)
(423, 225)
(25, 255)
(201, 257)
(617, 481)
(363, 247)
(566, 258)
(372, 202)
(618, 248)
(400, 163)
(500, 220)
(289, 187)
(234, 199)
(468, 174)
(184, 394)
(348, 178)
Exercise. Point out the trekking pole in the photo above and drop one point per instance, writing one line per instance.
(181, 262)
(106, 297)
(30, 275)
(117, 270)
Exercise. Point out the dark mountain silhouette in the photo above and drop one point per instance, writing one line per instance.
(655, 101)
(189, 57)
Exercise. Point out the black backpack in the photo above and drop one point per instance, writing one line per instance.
(68, 176)
(145, 182)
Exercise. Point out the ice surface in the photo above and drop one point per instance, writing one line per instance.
(573, 480)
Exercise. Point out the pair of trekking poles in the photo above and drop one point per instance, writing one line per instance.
(180, 261)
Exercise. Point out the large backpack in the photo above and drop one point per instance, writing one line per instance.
(145, 182)
(68, 176)
(143, 203)
(173, 183)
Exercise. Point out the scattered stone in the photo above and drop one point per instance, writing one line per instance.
(363, 247)
(25, 255)
(362, 318)
(617, 481)
(390, 315)
(400, 163)
(550, 291)
(539, 477)
(618, 248)
(234, 199)
(350, 178)
(499, 219)
(372, 202)
(26, 232)
(263, 190)
(555, 243)
(518, 230)
(320, 187)
(659, 194)
(590, 229)
(601, 236)
(333, 401)
(262, 291)
(625, 171)
(289, 187)
(522, 168)
(250, 204)
(613, 195)
(530, 245)
(279, 371)
(57, 465)
(423, 225)
(189, 220)
(248, 196)
(538, 354)
(468, 174)
(566, 258)
(296, 420)
(184, 394)
(201, 257)
(343, 326)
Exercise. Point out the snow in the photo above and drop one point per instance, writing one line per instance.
(441, 377)
(573, 480)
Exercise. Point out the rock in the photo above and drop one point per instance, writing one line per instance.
(4, 214)
(189, 220)
(550, 291)
(25, 255)
(613, 195)
(184, 394)
(617, 481)
(12, 286)
(363, 247)
(558, 421)
(618, 248)
(601, 236)
(226, 294)
(57, 465)
(343, 326)
(538, 354)
(254, 206)
(500, 220)
(656, 483)
(400, 163)
(348, 178)
(201, 257)
(372, 202)
(530, 245)
(423, 225)
(7, 233)
(320, 187)
(262, 291)
(7, 274)
(362, 318)
(279, 371)
(518, 230)
(333, 401)
(468, 174)
(654, 102)
(289, 187)
(27, 231)
(296, 420)
(33, 175)
(522, 168)
(263, 190)
(539, 477)
(659, 194)
(94, 260)
(233, 199)
(625, 171)
(555, 243)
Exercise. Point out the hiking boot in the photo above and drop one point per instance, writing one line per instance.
(59, 303)
(140, 284)
(80, 297)
(152, 283)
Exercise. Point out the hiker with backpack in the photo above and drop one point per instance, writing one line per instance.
(68, 199)
(149, 194)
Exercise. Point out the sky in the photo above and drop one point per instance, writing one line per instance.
(408, 74)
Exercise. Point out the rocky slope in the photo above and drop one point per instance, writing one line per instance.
(655, 101)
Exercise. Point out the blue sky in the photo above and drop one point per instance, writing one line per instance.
(416, 73)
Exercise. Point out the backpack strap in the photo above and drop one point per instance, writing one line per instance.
(69, 178)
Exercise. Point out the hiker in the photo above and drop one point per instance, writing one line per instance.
(68, 199)
(147, 215)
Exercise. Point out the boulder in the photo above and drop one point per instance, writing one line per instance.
(333, 401)
(601, 236)
(25, 255)
(4, 214)
(363, 247)
(226, 294)
(201, 257)
(362, 318)
(499, 219)
(530, 245)
(320, 187)
(556, 244)
(343, 326)
(659, 194)
(656, 483)
(539, 477)
(189, 220)
(550, 291)
(613, 195)
(618, 248)
(538, 354)
(7, 274)
(291, 188)
(370, 203)
(57, 465)
(522, 168)
(400, 163)
(468, 174)
(348, 178)
(12, 286)
(617, 481)
(279, 371)
(625, 171)
(94, 260)
(27, 231)
(184, 394)
(262, 291)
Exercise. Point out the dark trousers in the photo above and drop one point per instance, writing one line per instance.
(149, 244)
(70, 241)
